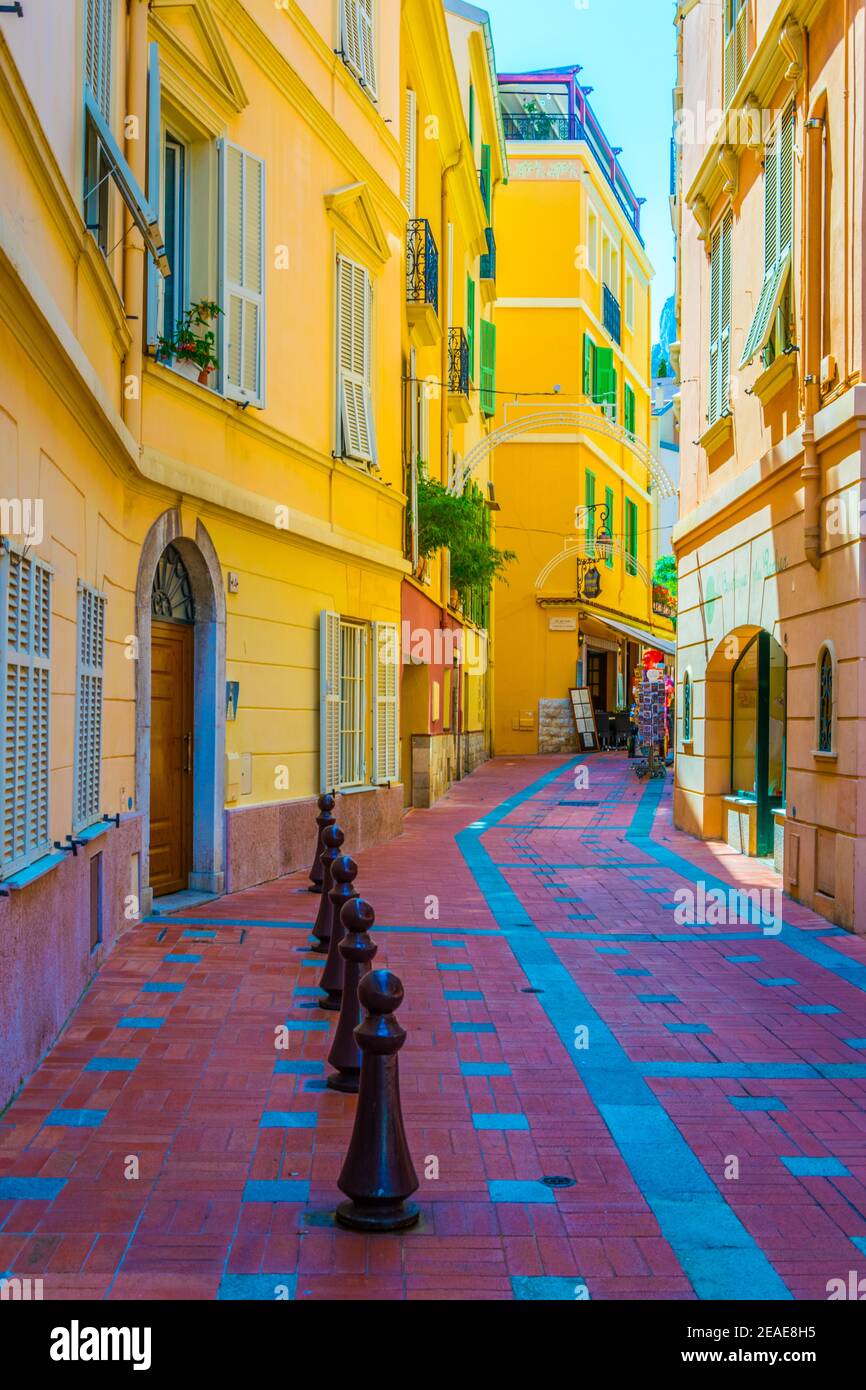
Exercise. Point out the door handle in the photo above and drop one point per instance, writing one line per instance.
(187, 739)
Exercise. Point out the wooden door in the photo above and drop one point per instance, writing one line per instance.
(171, 749)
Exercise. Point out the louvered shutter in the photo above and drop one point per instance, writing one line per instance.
(154, 160)
(603, 376)
(589, 505)
(386, 695)
(608, 503)
(88, 707)
(488, 368)
(588, 347)
(725, 317)
(350, 37)
(354, 296)
(411, 138)
(778, 233)
(25, 589)
(470, 324)
(243, 272)
(715, 331)
(629, 408)
(367, 44)
(97, 52)
(485, 170)
(329, 701)
(786, 182)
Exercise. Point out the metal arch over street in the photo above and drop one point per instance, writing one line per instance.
(571, 418)
(578, 550)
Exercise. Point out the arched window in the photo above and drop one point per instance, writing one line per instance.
(687, 708)
(171, 597)
(826, 700)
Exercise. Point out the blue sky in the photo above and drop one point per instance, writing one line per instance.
(628, 52)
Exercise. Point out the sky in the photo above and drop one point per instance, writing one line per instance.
(627, 49)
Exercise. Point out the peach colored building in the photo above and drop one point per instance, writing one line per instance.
(769, 114)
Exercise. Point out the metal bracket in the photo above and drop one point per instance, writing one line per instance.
(13, 9)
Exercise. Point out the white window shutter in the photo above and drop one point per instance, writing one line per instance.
(786, 182)
(243, 274)
(386, 702)
(350, 36)
(97, 53)
(329, 706)
(354, 311)
(25, 653)
(411, 138)
(715, 333)
(367, 43)
(154, 162)
(88, 707)
(725, 317)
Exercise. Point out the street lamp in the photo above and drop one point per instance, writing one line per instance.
(588, 577)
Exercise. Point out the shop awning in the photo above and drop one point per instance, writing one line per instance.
(639, 634)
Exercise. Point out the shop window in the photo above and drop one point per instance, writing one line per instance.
(826, 701)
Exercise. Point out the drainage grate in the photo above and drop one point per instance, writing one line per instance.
(531, 990)
(559, 1181)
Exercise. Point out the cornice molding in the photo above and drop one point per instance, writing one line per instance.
(366, 230)
(221, 79)
(778, 57)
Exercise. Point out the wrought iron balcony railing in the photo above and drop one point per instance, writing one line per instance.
(422, 264)
(458, 362)
(538, 126)
(488, 260)
(612, 316)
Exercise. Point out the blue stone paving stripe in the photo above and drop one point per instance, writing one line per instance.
(289, 1119)
(451, 945)
(467, 994)
(276, 1190)
(308, 990)
(485, 1069)
(744, 960)
(257, 1288)
(473, 1028)
(453, 965)
(803, 1167)
(718, 1254)
(302, 1025)
(689, 1027)
(706, 936)
(806, 944)
(817, 1009)
(659, 999)
(500, 1121)
(199, 935)
(524, 1193)
(612, 950)
(181, 958)
(76, 1119)
(855, 1042)
(779, 984)
(30, 1189)
(286, 1067)
(112, 1064)
(757, 1103)
(545, 1288)
(860, 1242)
(154, 987)
(633, 972)
(747, 1071)
(128, 1021)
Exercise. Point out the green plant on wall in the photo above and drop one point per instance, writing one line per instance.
(665, 573)
(461, 524)
(194, 338)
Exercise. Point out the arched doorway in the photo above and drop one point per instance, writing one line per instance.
(180, 711)
(758, 731)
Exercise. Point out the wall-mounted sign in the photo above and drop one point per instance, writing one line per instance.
(561, 624)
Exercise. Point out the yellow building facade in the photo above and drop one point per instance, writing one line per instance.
(574, 467)
(204, 538)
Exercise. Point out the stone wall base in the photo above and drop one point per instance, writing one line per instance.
(556, 731)
(45, 958)
(435, 762)
(265, 842)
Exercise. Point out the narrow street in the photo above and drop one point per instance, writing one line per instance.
(699, 1090)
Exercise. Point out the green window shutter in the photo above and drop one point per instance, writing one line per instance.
(488, 367)
(608, 502)
(630, 537)
(629, 408)
(485, 169)
(589, 505)
(470, 324)
(604, 376)
(588, 363)
(613, 396)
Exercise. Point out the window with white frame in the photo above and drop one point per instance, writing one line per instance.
(770, 331)
(243, 260)
(359, 706)
(358, 41)
(87, 770)
(629, 301)
(592, 240)
(410, 170)
(357, 437)
(98, 52)
(25, 654)
(719, 385)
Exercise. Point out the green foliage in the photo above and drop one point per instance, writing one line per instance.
(459, 524)
(188, 343)
(665, 573)
(662, 369)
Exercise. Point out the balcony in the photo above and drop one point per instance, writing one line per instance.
(459, 407)
(539, 126)
(422, 283)
(612, 316)
(487, 269)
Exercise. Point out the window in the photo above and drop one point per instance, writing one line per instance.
(629, 301)
(488, 368)
(687, 708)
(95, 900)
(174, 286)
(629, 408)
(610, 265)
(243, 268)
(25, 653)
(826, 701)
(770, 330)
(600, 382)
(736, 44)
(472, 115)
(354, 314)
(88, 707)
(97, 76)
(589, 505)
(608, 506)
(720, 322)
(592, 240)
(358, 40)
(411, 152)
(630, 536)
(348, 691)
(588, 367)
(470, 324)
(486, 190)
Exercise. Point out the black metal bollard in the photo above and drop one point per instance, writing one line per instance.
(357, 950)
(325, 817)
(378, 1174)
(343, 872)
(332, 840)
